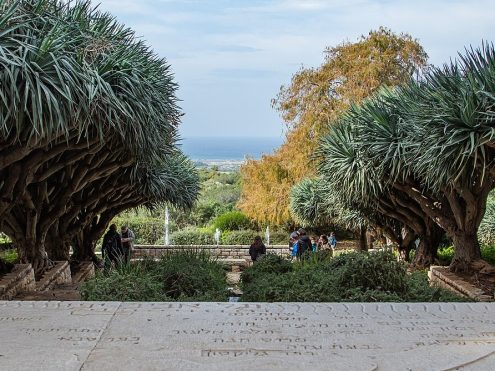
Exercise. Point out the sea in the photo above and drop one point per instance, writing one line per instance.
(227, 153)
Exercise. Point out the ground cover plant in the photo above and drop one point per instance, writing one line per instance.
(177, 276)
(349, 277)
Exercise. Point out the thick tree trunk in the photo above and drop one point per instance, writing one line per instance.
(33, 252)
(426, 253)
(405, 246)
(361, 243)
(84, 250)
(467, 250)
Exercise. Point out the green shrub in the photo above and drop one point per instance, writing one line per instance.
(124, 283)
(267, 264)
(232, 221)
(279, 238)
(9, 256)
(486, 231)
(348, 277)
(488, 253)
(445, 255)
(179, 276)
(192, 276)
(193, 236)
(244, 237)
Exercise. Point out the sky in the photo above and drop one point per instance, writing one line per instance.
(230, 57)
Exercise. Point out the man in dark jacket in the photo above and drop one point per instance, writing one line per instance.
(304, 243)
(257, 248)
(112, 247)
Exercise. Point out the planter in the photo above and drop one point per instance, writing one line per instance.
(443, 277)
(21, 279)
(59, 274)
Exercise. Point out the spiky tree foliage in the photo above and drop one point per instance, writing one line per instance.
(448, 131)
(315, 201)
(88, 125)
(423, 155)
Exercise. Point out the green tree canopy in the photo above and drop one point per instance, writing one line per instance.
(88, 126)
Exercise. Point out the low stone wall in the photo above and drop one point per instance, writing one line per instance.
(443, 277)
(85, 272)
(57, 275)
(21, 279)
(220, 251)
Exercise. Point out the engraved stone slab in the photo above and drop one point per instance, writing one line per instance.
(247, 336)
(50, 335)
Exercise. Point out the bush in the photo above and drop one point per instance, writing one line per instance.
(180, 276)
(232, 221)
(349, 277)
(486, 231)
(244, 237)
(445, 255)
(9, 256)
(488, 254)
(279, 238)
(125, 283)
(191, 276)
(193, 236)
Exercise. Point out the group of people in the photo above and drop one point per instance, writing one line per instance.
(300, 243)
(117, 248)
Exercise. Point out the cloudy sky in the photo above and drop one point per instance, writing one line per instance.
(230, 57)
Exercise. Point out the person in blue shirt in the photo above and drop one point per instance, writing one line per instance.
(294, 237)
(314, 243)
(332, 240)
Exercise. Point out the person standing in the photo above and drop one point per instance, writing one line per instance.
(112, 247)
(314, 244)
(332, 241)
(294, 238)
(323, 244)
(257, 249)
(127, 237)
(303, 244)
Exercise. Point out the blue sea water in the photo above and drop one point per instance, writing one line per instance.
(223, 148)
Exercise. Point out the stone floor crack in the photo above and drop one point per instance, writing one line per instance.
(101, 336)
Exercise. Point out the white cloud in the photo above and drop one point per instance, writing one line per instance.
(227, 49)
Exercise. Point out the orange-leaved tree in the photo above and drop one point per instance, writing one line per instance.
(316, 96)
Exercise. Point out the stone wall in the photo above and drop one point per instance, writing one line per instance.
(21, 279)
(443, 277)
(220, 251)
(86, 270)
(57, 275)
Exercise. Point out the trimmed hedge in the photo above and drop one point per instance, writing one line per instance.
(193, 236)
(232, 221)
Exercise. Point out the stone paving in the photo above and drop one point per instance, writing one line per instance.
(246, 336)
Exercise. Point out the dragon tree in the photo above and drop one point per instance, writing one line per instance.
(88, 128)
